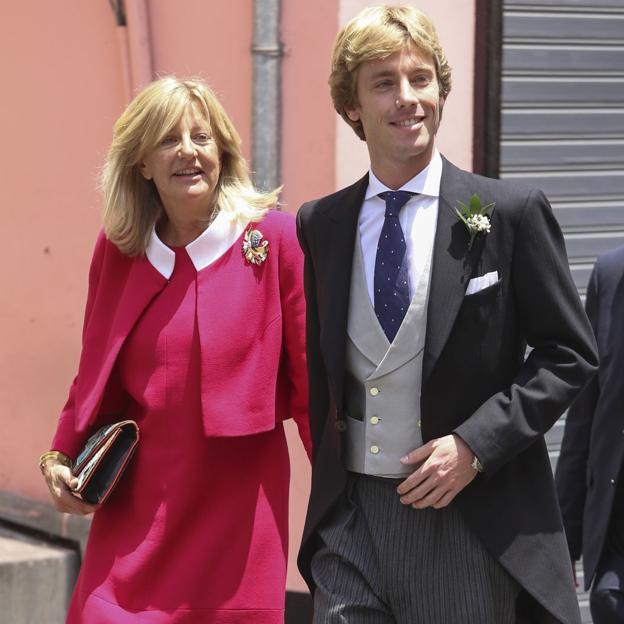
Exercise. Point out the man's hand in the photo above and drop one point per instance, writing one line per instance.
(445, 470)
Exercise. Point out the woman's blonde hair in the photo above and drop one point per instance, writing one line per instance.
(132, 205)
(376, 33)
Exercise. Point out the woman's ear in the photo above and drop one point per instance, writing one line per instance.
(145, 170)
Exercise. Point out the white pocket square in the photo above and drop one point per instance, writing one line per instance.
(479, 283)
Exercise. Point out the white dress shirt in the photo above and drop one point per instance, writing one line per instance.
(418, 219)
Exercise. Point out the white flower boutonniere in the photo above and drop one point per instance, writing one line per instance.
(475, 216)
(255, 249)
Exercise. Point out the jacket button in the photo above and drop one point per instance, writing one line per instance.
(374, 449)
(374, 420)
(612, 481)
(340, 425)
(374, 391)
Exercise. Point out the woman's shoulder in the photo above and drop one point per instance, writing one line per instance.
(108, 258)
(279, 219)
(278, 228)
(278, 223)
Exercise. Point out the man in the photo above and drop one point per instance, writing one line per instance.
(589, 476)
(432, 499)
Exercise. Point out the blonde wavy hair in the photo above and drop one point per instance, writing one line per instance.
(132, 205)
(376, 33)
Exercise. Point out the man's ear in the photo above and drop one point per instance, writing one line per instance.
(441, 107)
(353, 114)
(145, 171)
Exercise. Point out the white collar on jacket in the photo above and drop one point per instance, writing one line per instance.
(210, 245)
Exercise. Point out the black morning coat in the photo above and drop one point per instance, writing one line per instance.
(475, 379)
(592, 452)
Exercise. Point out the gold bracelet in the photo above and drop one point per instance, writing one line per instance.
(58, 456)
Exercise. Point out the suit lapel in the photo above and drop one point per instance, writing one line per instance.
(108, 331)
(143, 284)
(341, 217)
(363, 328)
(452, 264)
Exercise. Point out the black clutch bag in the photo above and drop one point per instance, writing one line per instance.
(105, 456)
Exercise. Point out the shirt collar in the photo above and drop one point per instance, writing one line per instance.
(211, 244)
(427, 182)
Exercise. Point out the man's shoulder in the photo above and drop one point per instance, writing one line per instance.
(334, 200)
(513, 200)
(510, 190)
(612, 261)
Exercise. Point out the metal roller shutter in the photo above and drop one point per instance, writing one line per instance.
(562, 124)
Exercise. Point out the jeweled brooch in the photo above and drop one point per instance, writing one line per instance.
(255, 248)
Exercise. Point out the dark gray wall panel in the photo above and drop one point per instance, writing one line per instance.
(574, 184)
(589, 245)
(569, 91)
(591, 213)
(538, 58)
(596, 6)
(540, 25)
(561, 154)
(580, 273)
(563, 122)
(555, 435)
(562, 128)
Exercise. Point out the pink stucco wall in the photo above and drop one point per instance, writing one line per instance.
(211, 40)
(60, 97)
(63, 89)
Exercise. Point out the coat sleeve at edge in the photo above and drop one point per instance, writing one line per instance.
(318, 397)
(67, 439)
(563, 356)
(571, 471)
(293, 314)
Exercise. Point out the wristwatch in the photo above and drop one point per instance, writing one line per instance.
(476, 464)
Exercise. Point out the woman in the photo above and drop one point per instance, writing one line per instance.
(194, 328)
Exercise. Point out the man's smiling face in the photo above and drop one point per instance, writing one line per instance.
(399, 106)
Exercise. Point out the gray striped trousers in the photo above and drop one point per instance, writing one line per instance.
(381, 562)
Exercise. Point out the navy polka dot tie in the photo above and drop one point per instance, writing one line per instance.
(391, 277)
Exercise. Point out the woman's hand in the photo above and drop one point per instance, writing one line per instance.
(60, 480)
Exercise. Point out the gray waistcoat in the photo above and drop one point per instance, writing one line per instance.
(383, 381)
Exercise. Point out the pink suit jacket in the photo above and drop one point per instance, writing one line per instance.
(251, 323)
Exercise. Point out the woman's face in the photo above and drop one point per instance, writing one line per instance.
(185, 166)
